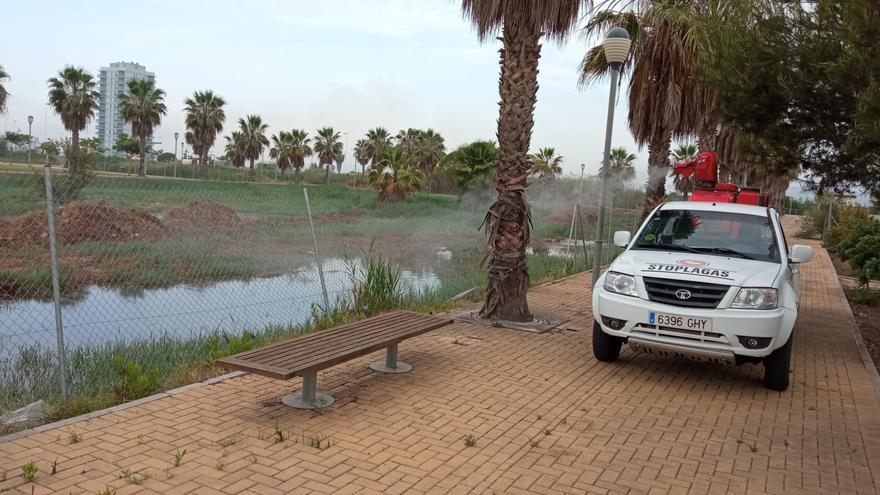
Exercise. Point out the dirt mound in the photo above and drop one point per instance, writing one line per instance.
(348, 215)
(80, 222)
(562, 216)
(202, 215)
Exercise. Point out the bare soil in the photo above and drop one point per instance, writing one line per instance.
(348, 215)
(867, 316)
(204, 215)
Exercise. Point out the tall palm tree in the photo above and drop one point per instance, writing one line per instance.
(409, 141)
(473, 164)
(143, 106)
(393, 176)
(683, 152)
(327, 146)
(621, 167)
(234, 149)
(667, 97)
(253, 139)
(362, 153)
(282, 149)
(546, 163)
(4, 94)
(204, 122)
(378, 140)
(431, 150)
(521, 24)
(300, 148)
(73, 96)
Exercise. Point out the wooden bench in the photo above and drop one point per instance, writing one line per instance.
(305, 356)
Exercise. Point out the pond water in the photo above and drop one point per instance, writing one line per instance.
(105, 315)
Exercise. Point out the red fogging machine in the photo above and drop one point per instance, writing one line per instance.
(704, 167)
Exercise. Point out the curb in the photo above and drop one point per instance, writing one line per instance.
(120, 407)
(873, 375)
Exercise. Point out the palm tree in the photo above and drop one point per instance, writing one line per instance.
(409, 140)
(281, 150)
(393, 176)
(431, 150)
(327, 147)
(473, 164)
(546, 163)
(4, 94)
(682, 153)
(378, 140)
(620, 167)
(362, 153)
(234, 149)
(253, 139)
(143, 106)
(204, 122)
(667, 97)
(300, 148)
(73, 96)
(521, 23)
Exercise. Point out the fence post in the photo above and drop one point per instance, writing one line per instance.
(317, 254)
(56, 282)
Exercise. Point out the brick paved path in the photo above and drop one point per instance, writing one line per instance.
(547, 418)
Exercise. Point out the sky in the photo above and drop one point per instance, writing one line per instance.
(350, 64)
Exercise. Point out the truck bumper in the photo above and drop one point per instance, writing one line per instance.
(720, 343)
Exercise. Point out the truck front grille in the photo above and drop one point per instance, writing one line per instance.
(702, 295)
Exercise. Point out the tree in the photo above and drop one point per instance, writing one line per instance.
(546, 164)
(362, 153)
(431, 149)
(143, 106)
(300, 148)
(668, 94)
(473, 164)
(378, 140)
(620, 167)
(252, 139)
(393, 176)
(521, 23)
(73, 96)
(204, 122)
(282, 149)
(127, 145)
(165, 157)
(328, 147)
(234, 149)
(4, 94)
(18, 140)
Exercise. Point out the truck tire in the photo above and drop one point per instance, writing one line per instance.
(776, 367)
(605, 347)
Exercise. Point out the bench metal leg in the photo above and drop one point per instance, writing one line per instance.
(391, 364)
(308, 396)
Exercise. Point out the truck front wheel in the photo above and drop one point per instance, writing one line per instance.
(776, 367)
(605, 347)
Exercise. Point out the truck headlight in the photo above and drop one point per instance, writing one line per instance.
(755, 298)
(621, 284)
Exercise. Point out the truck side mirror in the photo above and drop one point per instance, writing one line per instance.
(800, 254)
(621, 238)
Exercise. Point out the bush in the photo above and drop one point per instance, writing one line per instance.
(856, 238)
(132, 382)
(68, 186)
(868, 297)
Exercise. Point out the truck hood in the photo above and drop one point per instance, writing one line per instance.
(697, 267)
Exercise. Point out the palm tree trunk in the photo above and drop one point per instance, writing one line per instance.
(507, 221)
(253, 175)
(706, 139)
(142, 168)
(658, 167)
(74, 145)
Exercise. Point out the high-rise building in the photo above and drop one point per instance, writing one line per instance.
(113, 83)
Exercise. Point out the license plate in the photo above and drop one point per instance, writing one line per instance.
(678, 321)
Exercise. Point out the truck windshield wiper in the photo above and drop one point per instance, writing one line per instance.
(723, 250)
(667, 247)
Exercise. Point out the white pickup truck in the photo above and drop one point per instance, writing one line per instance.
(706, 281)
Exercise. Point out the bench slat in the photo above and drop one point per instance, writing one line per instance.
(353, 340)
(328, 348)
(327, 338)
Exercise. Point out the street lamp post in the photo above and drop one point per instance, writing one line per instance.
(616, 46)
(176, 135)
(30, 139)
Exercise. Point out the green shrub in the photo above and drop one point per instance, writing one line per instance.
(376, 284)
(132, 382)
(868, 297)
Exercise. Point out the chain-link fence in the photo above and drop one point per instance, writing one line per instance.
(157, 274)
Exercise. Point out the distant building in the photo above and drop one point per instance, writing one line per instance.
(113, 83)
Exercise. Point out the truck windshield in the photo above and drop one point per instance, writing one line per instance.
(711, 232)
